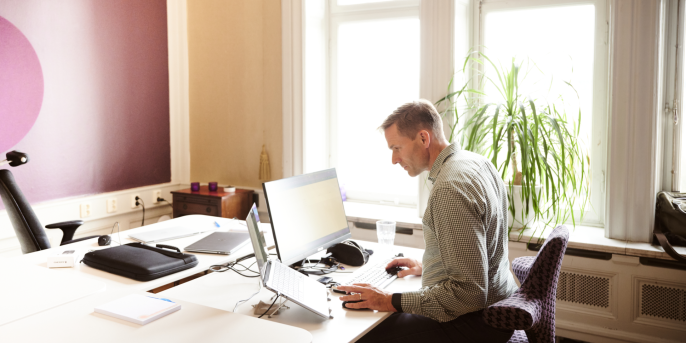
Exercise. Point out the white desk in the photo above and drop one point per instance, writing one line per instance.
(35, 289)
(76, 322)
(223, 290)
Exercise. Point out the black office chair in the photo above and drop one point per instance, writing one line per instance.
(29, 230)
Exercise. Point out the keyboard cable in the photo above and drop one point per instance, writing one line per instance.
(240, 302)
(220, 268)
(270, 306)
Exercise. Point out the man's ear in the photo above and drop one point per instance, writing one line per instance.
(425, 138)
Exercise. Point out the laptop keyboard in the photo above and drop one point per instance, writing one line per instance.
(288, 281)
(376, 275)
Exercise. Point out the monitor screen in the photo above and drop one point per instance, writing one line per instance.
(256, 238)
(306, 214)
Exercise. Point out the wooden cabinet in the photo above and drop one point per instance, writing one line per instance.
(220, 204)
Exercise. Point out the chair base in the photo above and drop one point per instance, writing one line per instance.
(519, 336)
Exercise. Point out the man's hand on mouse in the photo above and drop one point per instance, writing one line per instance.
(372, 297)
(414, 266)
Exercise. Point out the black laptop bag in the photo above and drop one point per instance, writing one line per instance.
(139, 261)
(670, 223)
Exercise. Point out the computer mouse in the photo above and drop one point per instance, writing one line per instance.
(335, 289)
(104, 240)
(394, 270)
(354, 301)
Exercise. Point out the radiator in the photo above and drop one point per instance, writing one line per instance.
(584, 289)
(663, 302)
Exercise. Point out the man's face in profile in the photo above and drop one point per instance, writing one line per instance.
(407, 152)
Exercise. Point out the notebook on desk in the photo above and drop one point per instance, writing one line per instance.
(161, 235)
(138, 308)
(283, 280)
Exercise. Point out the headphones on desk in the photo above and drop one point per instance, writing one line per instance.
(348, 252)
(328, 260)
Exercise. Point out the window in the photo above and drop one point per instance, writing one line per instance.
(408, 49)
(361, 64)
(560, 41)
(674, 161)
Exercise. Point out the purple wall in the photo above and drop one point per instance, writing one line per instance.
(104, 120)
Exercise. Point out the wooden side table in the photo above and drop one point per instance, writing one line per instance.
(220, 204)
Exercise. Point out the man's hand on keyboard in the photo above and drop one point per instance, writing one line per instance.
(414, 266)
(372, 297)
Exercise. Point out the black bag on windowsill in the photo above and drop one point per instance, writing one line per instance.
(670, 223)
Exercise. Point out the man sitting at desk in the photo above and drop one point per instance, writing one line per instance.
(465, 267)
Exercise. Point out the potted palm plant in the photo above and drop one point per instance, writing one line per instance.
(531, 141)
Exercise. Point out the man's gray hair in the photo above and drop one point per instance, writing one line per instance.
(415, 116)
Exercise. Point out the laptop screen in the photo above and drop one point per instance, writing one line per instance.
(306, 213)
(256, 238)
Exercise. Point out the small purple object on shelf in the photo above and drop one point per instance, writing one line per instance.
(213, 186)
(195, 186)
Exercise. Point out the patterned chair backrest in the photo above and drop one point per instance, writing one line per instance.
(532, 307)
(541, 283)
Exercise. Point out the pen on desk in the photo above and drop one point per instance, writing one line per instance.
(163, 299)
(216, 224)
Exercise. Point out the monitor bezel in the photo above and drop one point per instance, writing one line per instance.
(315, 248)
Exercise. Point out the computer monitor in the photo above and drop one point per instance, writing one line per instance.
(306, 213)
(255, 237)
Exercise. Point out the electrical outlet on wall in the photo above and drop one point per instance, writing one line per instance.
(156, 194)
(111, 205)
(133, 200)
(85, 209)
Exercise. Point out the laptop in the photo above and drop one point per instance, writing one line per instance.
(281, 279)
(223, 243)
(167, 234)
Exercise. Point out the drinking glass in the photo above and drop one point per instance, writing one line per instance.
(385, 232)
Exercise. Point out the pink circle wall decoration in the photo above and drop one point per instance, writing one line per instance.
(21, 86)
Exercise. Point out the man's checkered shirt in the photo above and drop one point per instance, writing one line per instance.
(465, 265)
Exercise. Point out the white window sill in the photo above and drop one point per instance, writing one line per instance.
(405, 217)
(580, 237)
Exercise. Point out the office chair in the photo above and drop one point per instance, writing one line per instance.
(530, 311)
(29, 230)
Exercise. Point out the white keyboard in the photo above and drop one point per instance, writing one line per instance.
(375, 275)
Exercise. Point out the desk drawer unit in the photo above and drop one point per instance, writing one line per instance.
(221, 204)
(187, 205)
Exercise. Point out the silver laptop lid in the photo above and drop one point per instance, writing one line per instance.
(257, 241)
(220, 243)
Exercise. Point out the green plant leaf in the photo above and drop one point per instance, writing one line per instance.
(538, 137)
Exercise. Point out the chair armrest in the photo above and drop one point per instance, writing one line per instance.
(68, 229)
(521, 267)
(514, 313)
(78, 240)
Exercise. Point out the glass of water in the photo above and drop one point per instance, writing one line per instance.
(385, 232)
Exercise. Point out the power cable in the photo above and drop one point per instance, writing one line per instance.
(140, 202)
